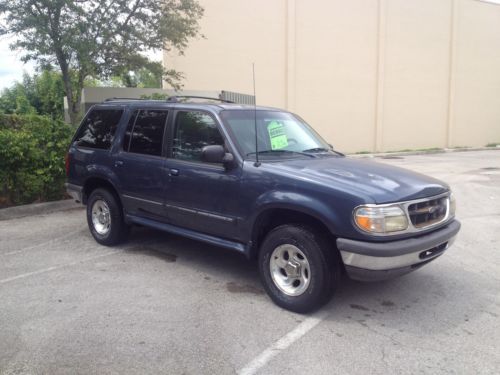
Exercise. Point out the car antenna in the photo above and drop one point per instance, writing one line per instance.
(257, 162)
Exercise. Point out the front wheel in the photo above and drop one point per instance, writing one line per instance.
(298, 267)
(105, 218)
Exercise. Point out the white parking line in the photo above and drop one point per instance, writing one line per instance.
(28, 274)
(68, 235)
(277, 347)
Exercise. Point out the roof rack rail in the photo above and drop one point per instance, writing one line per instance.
(115, 98)
(174, 99)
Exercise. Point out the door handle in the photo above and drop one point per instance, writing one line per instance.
(118, 163)
(174, 172)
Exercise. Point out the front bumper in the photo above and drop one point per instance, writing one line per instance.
(370, 261)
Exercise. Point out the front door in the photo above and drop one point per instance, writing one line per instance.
(200, 196)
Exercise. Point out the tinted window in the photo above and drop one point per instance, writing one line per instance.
(98, 128)
(147, 128)
(128, 131)
(193, 131)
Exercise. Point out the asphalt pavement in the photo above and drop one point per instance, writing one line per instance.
(164, 304)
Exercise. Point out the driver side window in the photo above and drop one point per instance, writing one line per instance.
(193, 131)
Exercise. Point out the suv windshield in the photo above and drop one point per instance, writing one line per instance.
(279, 133)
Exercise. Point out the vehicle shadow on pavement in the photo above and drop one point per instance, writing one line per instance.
(216, 263)
(399, 304)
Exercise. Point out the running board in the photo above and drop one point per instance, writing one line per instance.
(232, 245)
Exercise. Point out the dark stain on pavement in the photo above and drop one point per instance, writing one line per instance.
(233, 287)
(359, 307)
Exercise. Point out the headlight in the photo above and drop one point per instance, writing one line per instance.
(380, 220)
(453, 205)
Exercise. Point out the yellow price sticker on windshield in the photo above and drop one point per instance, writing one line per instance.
(277, 135)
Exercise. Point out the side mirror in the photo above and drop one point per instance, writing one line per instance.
(217, 154)
(213, 154)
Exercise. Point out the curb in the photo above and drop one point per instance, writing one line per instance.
(423, 152)
(37, 209)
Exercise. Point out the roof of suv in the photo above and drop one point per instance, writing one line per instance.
(217, 107)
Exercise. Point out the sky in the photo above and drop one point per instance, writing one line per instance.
(11, 67)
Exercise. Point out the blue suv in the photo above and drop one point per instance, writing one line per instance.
(261, 182)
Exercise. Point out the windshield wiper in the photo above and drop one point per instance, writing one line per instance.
(316, 149)
(280, 152)
(322, 149)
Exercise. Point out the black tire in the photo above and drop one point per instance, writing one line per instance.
(117, 230)
(323, 264)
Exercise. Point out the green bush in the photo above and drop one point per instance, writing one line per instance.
(32, 150)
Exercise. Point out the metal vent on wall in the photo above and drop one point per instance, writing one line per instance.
(236, 97)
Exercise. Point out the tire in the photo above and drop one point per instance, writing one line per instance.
(105, 218)
(299, 268)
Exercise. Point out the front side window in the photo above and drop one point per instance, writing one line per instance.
(144, 134)
(98, 128)
(193, 131)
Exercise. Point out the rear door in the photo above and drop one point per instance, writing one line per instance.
(140, 164)
(89, 151)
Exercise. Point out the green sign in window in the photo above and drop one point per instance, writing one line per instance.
(277, 135)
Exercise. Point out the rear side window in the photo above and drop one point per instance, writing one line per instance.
(193, 131)
(144, 134)
(99, 128)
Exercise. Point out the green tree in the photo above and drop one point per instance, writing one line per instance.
(41, 93)
(98, 38)
(14, 100)
(47, 92)
(148, 76)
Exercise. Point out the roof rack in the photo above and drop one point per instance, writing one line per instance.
(116, 98)
(175, 99)
(172, 99)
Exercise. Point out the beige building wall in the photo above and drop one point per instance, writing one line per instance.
(236, 34)
(476, 75)
(369, 75)
(335, 75)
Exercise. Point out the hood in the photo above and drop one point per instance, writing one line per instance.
(381, 182)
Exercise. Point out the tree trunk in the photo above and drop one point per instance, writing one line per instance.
(74, 100)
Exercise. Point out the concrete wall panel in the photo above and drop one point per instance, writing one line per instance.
(237, 33)
(416, 79)
(336, 70)
(476, 108)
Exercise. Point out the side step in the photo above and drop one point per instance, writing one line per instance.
(232, 245)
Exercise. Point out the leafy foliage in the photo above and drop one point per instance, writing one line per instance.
(41, 93)
(148, 76)
(32, 150)
(98, 38)
(155, 96)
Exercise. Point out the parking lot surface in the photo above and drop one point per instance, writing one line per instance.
(164, 304)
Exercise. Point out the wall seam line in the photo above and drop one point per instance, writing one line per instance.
(380, 78)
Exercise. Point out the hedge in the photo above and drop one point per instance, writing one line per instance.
(32, 151)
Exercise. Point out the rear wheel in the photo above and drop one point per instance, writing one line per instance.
(105, 218)
(298, 267)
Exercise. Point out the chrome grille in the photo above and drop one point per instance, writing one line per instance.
(425, 213)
